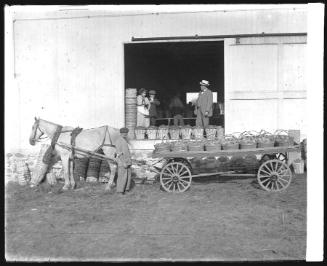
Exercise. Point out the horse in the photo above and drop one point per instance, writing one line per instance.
(91, 140)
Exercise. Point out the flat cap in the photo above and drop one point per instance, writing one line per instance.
(152, 92)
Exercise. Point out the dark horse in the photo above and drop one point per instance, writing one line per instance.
(90, 140)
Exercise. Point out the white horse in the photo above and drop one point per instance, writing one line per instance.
(91, 140)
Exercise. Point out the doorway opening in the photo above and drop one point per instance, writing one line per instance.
(171, 67)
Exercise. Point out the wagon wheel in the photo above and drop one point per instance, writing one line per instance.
(274, 175)
(175, 177)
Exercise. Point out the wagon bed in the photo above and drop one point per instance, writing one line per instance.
(186, 154)
(273, 174)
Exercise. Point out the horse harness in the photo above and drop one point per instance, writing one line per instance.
(74, 133)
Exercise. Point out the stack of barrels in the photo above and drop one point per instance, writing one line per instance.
(130, 111)
(80, 168)
(93, 169)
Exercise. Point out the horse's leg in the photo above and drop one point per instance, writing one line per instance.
(113, 170)
(71, 174)
(65, 166)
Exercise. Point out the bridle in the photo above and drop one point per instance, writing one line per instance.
(42, 132)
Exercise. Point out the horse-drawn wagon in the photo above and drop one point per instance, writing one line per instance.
(272, 169)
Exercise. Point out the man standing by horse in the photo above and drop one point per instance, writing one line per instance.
(124, 162)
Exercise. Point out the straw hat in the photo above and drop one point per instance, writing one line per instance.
(204, 83)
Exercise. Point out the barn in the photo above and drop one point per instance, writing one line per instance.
(72, 65)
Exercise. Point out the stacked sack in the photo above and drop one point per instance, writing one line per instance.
(40, 168)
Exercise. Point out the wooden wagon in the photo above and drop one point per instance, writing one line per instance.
(272, 171)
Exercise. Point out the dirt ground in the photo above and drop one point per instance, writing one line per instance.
(217, 219)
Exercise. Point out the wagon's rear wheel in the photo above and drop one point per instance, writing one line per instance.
(175, 177)
(274, 175)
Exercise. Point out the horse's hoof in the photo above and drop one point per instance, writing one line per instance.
(65, 188)
(73, 186)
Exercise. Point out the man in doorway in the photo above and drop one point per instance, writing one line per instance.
(153, 107)
(177, 109)
(203, 105)
(124, 162)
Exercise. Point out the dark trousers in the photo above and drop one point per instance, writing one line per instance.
(124, 179)
(153, 120)
(201, 120)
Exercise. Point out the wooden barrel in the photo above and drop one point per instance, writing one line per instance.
(80, 168)
(93, 169)
(104, 172)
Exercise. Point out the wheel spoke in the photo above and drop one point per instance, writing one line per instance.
(180, 189)
(173, 168)
(174, 186)
(183, 181)
(284, 179)
(165, 178)
(267, 185)
(281, 184)
(177, 168)
(283, 170)
(264, 176)
(185, 172)
(280, 168)
(271, 165)
(276, 166)
(265, 172)
(185, 177)
(169, 181)
(276, 183)
(169, 170)
(170, 186)
(264, 181)
(180, 170)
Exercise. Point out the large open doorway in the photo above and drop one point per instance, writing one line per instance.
(170, 67)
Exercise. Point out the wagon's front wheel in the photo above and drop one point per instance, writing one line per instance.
(175, 177)
(274, 175)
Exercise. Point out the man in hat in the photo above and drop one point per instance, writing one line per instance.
(203, 105)
(124, 162)
(153, 107)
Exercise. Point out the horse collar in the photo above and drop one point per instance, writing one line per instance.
(56, 136)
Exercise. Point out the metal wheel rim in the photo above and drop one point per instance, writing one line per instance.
(175, 177)
(274, 175)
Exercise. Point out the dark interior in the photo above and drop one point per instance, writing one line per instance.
(168, 67)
